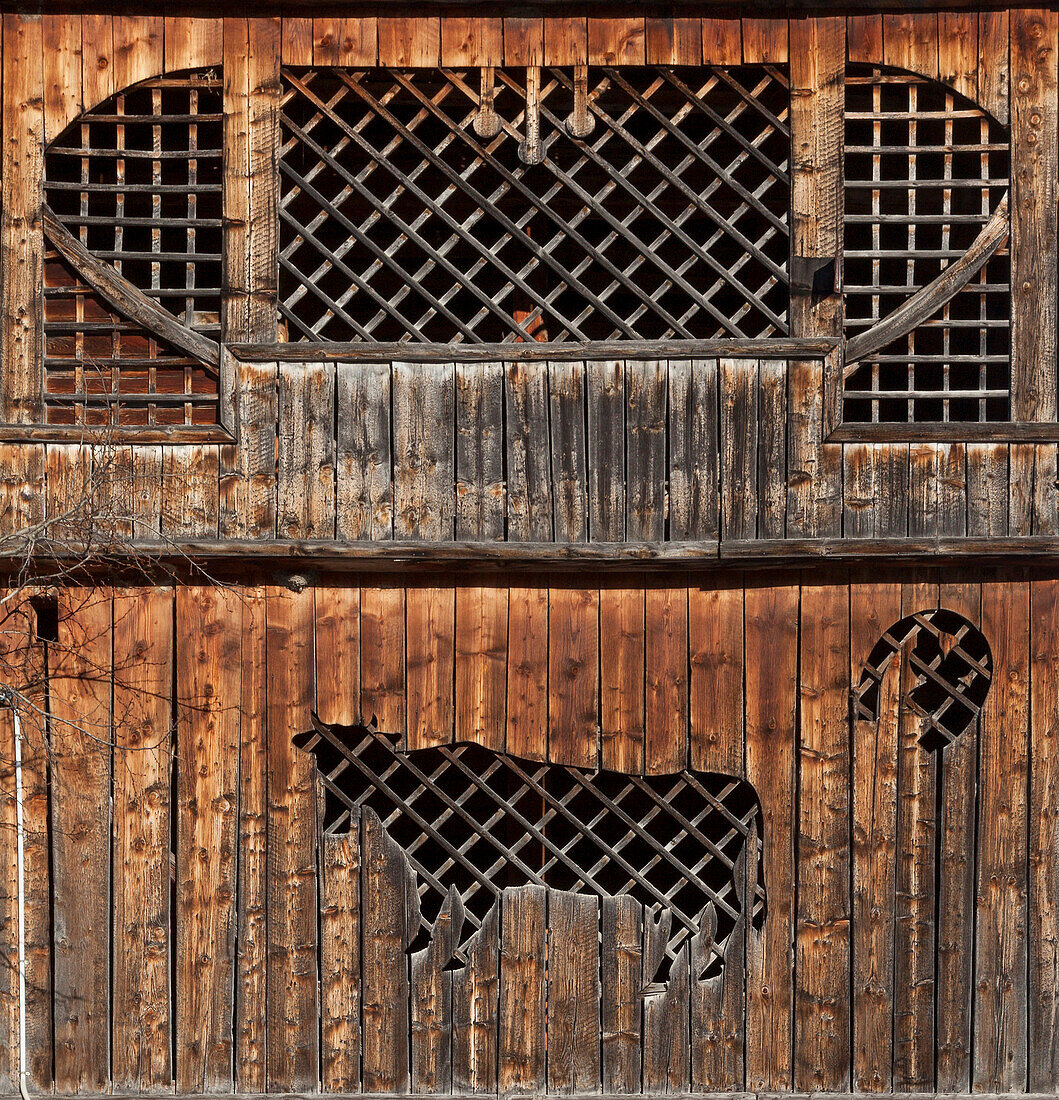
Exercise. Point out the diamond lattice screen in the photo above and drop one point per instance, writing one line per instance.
(668, 220)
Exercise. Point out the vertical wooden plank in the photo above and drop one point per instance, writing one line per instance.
(958, 51)
(573, 674)
(573, 993)
(874, 608)
(666, 687)
(772, 449)
(771, 701)
(956, 878)
(345, 41)
(565, 41)
(715, 640)
(430, 1003)
(364, 461)
(739, 460)
(340, 960)
(423, 403)
(389, 917)
(722, 42)
(430, 623)
(305, 476)
(718, 1008)
(987, 489)
(475, 1007)
(208, 657)
(62, 73)
(251, 902)
(337, 652)
(189, 492)
(1021, 472)
(1043, 902)
(81, 737)
(192, 43)
(622, 671)
(1034, 222)
(479, 422)
(864, 41)
(527, 672)
(666, 1017)
(529, 491)
(521, 1029)
(818, 53)
(645, 418)
(621, 967)
(143, 672)
(409, 42)
(292, 1048)
(247, 470)
(922, 490)
(994, 78)
(97, 52)
(382, 655)
(673, 42)
(23, 666)
(693, 450)
(605, 400)
(915, 882)
(138, 48)
(822, 950)
(481, 664)
(21, 236)
(523, 41)
(1000, 1039)
(910, 41)
(472, 41)
(296, 41)
(569, 475)
(616, 41)
(765, 41)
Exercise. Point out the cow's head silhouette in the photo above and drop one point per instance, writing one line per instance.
(953, 666)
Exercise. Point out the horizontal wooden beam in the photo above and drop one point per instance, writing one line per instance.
(995, 432)
(111, 434)
(210, 557)
(361, 351)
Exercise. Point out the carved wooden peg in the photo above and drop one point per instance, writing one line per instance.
(531, 151)
(580, 122)
(487, 121)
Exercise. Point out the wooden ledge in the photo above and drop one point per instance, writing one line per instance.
(364, 352)
(171, 435)
(1006, 432)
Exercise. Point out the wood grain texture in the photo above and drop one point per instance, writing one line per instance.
(722, 42)
(475, 1009)
(292, 986)
(622, 639)
(479, 422)
(527, 672)
(208, 657)
(409, 42)
(423, 402)
(337, 651)
(305, 475)
(621, 965)
(693, 449)
(138, 48)
(521, 1027)
(573, 672)
(481, 665)
(340, 952)
(192, 43)
(364, 457)
(97, 53)
(645, 464)
(605, 401)
(430, 624)
(573, 993)
(666, 683)
(382, 656)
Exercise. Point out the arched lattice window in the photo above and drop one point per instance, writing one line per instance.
(926, 179)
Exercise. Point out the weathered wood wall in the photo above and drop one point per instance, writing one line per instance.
(891, 958)
(780, 480)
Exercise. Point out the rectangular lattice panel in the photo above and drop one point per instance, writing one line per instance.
(925, 169)
(138, 181)
(668, 220)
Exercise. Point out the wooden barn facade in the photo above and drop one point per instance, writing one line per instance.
(530, 549)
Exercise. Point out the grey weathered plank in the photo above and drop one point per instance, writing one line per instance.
(573, 993)
(566, 392)
(306, 451)
(423, 444)
(606, 450)
(364, 464)
(987, 489)
(738, 439)
(247, 475)
(479, 451)
(521, 1029)
(772, 449)
(693, 449)
(529, 483)
(475, 1005)
(430, 997)
(340, 1031)
(645, 412)
(621, 967)
(666, 1020)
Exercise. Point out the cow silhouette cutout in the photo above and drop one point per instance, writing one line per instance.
(473, 821)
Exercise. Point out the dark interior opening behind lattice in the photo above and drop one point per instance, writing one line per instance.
(138, 181)
(925, 169)
(669, 220)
